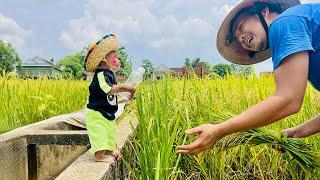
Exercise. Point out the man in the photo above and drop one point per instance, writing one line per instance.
(253, 31)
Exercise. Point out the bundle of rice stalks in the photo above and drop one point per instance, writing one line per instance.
(291, 149)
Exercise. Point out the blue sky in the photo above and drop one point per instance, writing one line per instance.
(166, 32)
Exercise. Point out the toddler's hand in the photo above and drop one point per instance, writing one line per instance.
(132, 90)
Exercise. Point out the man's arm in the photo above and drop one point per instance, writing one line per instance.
(304, 130)
(113, 89)
(291, 79)
(122, 88)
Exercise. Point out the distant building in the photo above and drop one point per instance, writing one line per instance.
(160, 72)
(179, 72)
(37, 67)
(200, 70)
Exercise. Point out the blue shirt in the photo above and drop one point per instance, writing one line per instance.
(295, 30)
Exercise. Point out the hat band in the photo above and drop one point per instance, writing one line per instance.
(97, 43)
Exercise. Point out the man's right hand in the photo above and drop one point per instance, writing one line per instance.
(291, 132)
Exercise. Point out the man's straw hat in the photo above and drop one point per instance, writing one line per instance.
(230, 48)
(98, 51)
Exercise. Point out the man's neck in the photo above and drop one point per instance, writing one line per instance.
(271, 17)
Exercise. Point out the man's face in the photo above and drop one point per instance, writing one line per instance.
(248, 30)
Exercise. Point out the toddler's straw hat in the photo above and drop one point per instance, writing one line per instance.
(98, 51)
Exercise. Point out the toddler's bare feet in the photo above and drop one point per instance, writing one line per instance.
(104, 158)
(116, 154)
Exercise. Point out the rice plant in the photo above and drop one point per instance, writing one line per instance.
(168, 107)
(292, 149)
(27, 101)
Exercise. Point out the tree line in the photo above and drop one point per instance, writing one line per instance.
(72, 66)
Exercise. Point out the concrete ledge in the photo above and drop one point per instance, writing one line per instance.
(54, 123)
(41, 150)
(85, 168)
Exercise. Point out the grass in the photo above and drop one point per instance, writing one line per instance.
(27, 101)
(165, 110)
(168, 107)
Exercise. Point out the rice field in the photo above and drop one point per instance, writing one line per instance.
(27, 101)
(168, 107)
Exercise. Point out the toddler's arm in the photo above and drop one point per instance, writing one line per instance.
(123, 88)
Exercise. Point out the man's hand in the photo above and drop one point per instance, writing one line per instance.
(304, 130)
(207, 135)
(291, 132)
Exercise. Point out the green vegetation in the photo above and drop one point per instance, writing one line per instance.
(24, 102)
(168, 107)
(72, 66)
(8, 58)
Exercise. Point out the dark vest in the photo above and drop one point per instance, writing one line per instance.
(107, 105)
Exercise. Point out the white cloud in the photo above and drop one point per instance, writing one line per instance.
(148, 28)
(11, 32)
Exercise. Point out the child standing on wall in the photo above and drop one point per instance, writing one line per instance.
(103, 102)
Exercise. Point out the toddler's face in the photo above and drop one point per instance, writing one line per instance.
(113, 61)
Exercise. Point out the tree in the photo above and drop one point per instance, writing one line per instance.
(242, 70)
(191, 63)
(126, 66)
(195, 62)
(187, 63)
(72, 65)
(249, 71)
(8, 57)
(222, 69)
(148, 66)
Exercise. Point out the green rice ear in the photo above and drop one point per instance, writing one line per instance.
(292, 149)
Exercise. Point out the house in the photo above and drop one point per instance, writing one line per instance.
(37, 67)
(200, 70)
(179, 72)
(160, 72)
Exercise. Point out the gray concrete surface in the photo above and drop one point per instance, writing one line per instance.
(85, 168)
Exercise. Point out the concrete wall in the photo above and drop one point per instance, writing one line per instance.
(41, 150)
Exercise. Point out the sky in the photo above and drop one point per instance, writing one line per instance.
(165, 32)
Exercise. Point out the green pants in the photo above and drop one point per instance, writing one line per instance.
(101, 131)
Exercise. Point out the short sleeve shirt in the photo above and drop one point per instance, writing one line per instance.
(296, 30)
(99, 99)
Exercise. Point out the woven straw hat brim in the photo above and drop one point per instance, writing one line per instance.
(233, 51)
(100, 51)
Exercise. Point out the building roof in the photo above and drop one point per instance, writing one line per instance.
(161, 68)
(179, 70)
(39, 62)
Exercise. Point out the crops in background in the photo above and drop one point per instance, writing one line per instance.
(165, 109)
(27, 101)
(168, 107)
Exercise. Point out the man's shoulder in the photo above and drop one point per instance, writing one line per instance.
(308, 11)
